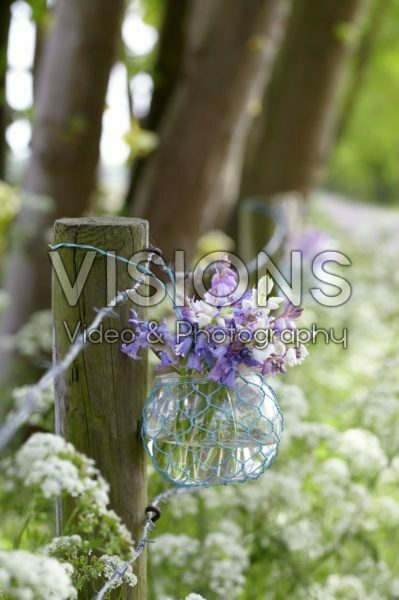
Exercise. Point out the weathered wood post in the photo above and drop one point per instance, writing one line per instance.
(99, 399)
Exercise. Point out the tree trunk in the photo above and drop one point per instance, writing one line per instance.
(290, 141)
(228, 46)
(5, 17)
(166, 72)
(65, 146)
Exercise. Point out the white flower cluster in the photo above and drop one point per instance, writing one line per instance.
(221, 559)
(225, 559)
(35, 339)
(303, 536)
(177, 548)
(44, 402)
(49, 463)
(65, 544)
(111, 564)
(363, 451)
(339, 587)
(27, 576)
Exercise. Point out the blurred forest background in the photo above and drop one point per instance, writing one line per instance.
(213, 119)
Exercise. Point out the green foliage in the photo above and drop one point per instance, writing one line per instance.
(347, 33)
(365, 161)
(152, 11)
(39, 10)
(140, 141)
(9, 207)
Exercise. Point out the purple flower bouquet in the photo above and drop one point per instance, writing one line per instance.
(213, 419)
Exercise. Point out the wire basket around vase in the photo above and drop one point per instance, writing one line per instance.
(202, 433)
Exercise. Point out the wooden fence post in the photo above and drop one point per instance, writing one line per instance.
(99, 399)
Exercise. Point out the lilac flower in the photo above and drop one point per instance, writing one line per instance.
(146, 335)
(311, 242)
(196, 349)
(184, 347)
(167, 360)
(286, 319)
(194, 362)
(223, 285)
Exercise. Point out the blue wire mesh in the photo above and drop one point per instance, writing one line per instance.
(201, 433)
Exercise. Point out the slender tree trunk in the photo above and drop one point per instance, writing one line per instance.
(290, 141)
(5, 17)
(65, 146)
(228, 45)
(40, 40)
(166, 72)
(170, 57)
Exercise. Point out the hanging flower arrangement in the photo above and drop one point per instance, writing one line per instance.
(213, 418)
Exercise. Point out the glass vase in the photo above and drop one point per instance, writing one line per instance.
(202, 433)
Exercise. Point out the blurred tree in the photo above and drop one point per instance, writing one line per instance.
(169, 60)
(42, 16)
(226, 60)
(166, 71)
(61, 177)
(5, 17)
(290, 140)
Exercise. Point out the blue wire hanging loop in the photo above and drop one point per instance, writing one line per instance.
(139, 267)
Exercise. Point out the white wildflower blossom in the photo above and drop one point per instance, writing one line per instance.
(54, 476)
(44, 401)
(35, 338)
(225, 559)
(386, 511)
(176, 548)
(363, 451)
(111, 564)
(340, 587)
(293, 401)
(303, 536)
(194, 597)
(293, 359)
(64, 544)
(333, 478)
(121, 528)
(313, 433)
(55, 467)
(27, 576)
(187, 508)
(390, 475)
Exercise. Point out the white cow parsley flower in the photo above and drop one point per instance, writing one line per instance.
(64, 544)
(44, 401)
(53, 465)
(363, 450)
(27, 576)
(340, 587)
(113, 563)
